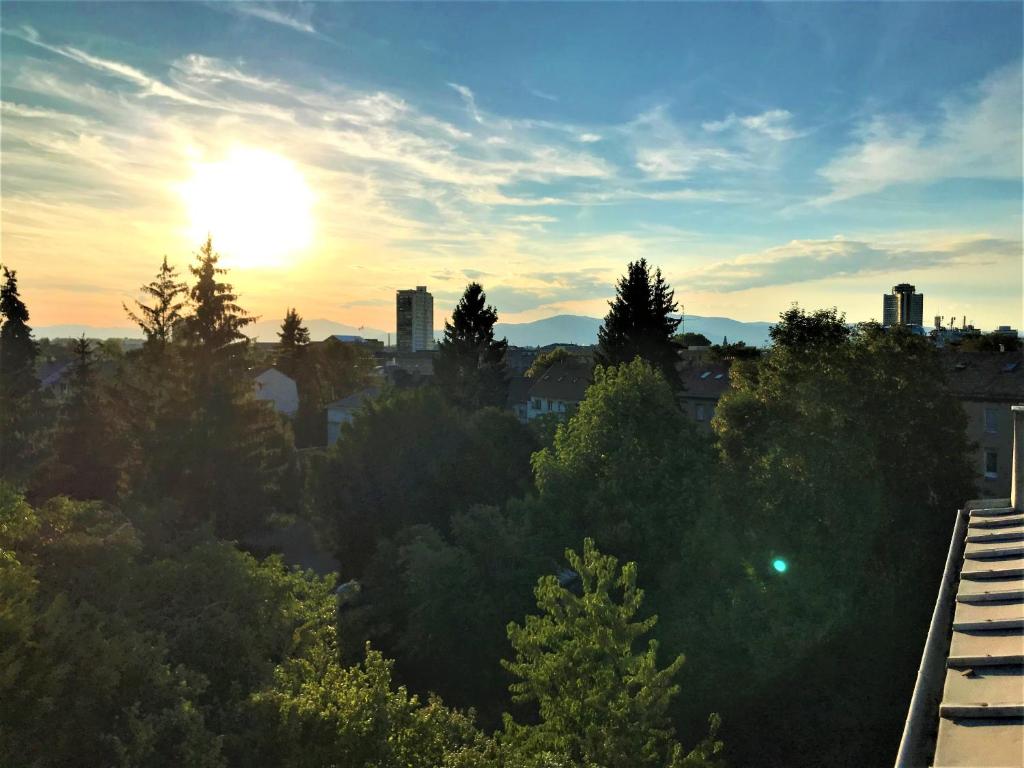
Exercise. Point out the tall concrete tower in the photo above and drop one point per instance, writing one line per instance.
(414, 311)
(904, 306)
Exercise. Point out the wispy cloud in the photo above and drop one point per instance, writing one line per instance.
(274, 14)
(978, 135)
(543, 95)
(805, 260)
(775, 124)
(470, 99)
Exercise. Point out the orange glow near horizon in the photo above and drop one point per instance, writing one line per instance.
(255, 204)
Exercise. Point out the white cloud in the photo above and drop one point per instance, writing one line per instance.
(775, 124)
(527, 218)
(589, 138)
(469, 99)
(271, 14)
(804, 260)
(543, 95)
(977, 136)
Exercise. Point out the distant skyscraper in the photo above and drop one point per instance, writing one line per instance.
(415, 319)
(903, 306)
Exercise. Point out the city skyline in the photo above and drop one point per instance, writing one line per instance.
(759, 154)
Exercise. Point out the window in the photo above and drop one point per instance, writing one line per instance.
(700, 412)
(536, 403)
(991, 464)
(991, 420)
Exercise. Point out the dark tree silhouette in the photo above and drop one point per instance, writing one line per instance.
(470, 365)
(640, 322)
(294, 338)
(20, 397)
(159, 320)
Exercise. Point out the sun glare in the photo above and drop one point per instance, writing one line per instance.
(255, 204)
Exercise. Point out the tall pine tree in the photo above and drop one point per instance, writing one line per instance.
(20, 396)
(640, 322)
(470, 365)
(293, 341)
(235, 454)
(159, 320)
(88, 455)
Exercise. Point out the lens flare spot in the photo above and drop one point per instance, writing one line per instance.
(780, 565)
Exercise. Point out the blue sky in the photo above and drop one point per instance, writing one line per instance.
(759, 153)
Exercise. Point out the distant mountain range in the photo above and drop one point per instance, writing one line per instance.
(564, 329)
(578, 329)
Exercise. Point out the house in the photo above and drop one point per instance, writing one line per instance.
(519, 396)
(987, 384)
(344, 410)
(559, 390)
(703, 383)
(278, 389)
(55, 378)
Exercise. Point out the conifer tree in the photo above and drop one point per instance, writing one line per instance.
(20, 396)
(231, 453)
(639, 322)
(214, 329)
(294, 338)
(470, 364)
(159, 320)
(599, 701)
(87, 456)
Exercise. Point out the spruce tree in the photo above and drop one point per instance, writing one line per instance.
(87, 456)
(231, 460)
(640, 323)
(294, 338)
(159, 320)
(470, 365)
(214, 329)
(20, 396)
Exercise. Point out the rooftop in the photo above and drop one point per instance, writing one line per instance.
(994, 376)
(704, 379)
(566, 380)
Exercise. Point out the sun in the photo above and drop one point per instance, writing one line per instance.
(255, 205)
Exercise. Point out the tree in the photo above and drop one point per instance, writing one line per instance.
(842, 451)
(691, 339)
(20, 397)
(225, 457)
(542, 362)
(87, 449)
(639, 322)
(159, 320)
(214, 328)
(69, 567)
(627, 469)
(294, 339)
(598, 701)
(469, 366)
(372, 485)
(799, 330)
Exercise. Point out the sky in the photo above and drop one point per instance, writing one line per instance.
(759, 154)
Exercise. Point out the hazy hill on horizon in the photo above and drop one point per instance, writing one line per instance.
(564, 329)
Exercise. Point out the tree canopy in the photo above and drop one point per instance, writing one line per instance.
(640, 322)
(469, 367)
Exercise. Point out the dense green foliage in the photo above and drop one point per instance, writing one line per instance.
(469, 366)
(599, 702)
(640, 322)
(135, 631)
(20, 398)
